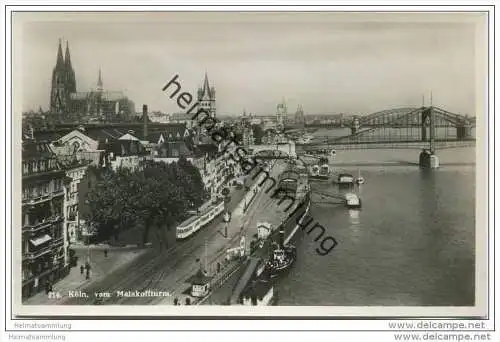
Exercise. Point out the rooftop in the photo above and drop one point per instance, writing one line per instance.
(36, 149)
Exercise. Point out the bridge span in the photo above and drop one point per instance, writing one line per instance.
(425, 128)
(274, 151)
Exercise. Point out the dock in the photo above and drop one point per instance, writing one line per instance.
(244, 280)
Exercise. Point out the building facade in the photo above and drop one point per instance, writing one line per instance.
(45, 244)
(299, 116)
(248, 137)
(75, 171)
(281, 114)
(95, 104)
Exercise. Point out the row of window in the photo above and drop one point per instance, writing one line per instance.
(33, 166)
(34, 219)
(41, 266)
(35, 191)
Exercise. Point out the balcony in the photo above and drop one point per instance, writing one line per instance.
(58, 192)
(45, 223)
(32, 255)
(39, 246)
(30, 276)
(58, 242)
(37, 199)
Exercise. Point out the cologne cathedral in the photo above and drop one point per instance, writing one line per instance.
(96, 104)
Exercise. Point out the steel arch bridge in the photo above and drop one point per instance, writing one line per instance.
(414, 128)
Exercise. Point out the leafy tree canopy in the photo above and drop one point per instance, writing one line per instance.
(154, 195)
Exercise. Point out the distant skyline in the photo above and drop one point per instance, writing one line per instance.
(326, 62)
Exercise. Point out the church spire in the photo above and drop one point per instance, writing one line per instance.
(206, 85)
(60, 60)
(99, 81)
(67, 57)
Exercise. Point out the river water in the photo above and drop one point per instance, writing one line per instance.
(411, 244)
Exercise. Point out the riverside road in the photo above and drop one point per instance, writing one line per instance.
(167, 271)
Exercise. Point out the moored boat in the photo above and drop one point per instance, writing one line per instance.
(321, 173)
(282, 256)
(352, 201)
(345, 179)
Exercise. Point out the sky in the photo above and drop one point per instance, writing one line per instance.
(326, 62)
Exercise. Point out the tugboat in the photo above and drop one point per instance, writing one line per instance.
(282, 257)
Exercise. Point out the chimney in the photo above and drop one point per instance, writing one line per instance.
(145, 120)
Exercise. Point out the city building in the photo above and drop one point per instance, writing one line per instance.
(104, 147)
(159, 117)
(127, 151)
(299, 115)
(45, 245)
(95, 104)
(248, 138)
(75, 171)
(206, 98)
(85, 233)
(81, 144)
(182, 118)
(281, 114)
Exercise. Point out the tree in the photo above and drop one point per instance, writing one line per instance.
(154, 197)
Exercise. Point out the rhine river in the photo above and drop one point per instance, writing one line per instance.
(411, 244)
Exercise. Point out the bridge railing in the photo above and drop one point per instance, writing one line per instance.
(415, 145)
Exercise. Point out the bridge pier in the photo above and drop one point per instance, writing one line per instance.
(428, 160)
(355, 126)
(464, 132)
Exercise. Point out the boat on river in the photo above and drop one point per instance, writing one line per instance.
(345, 179)
(360, 180)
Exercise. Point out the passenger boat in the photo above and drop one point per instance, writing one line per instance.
(207, 213)
(352, 201)
(345, 179)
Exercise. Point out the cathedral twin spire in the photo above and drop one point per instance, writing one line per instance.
(66, 61)
(64, 69)
(63, 81)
